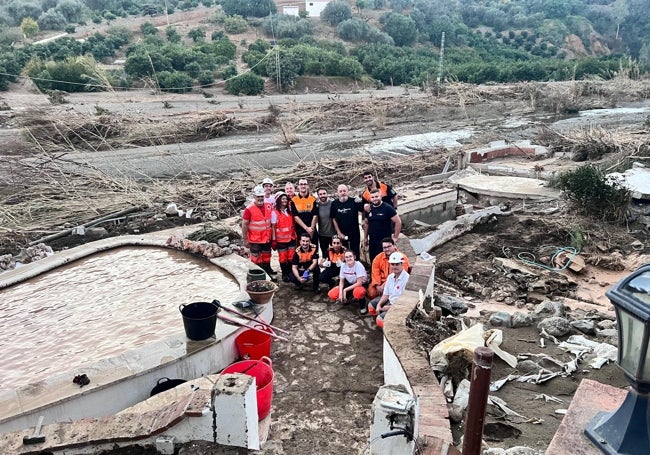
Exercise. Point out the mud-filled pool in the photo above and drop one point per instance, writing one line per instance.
(100, 307)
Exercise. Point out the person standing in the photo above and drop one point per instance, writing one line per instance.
(305, 263)
(345, 219)
(305, 211)
(256, 231)
(325, 225)
(388, 194)
(381, 268)
(284, 234)
(269, 198)
(378, 224)
(395, 285)
(352, 279)
(290, 190)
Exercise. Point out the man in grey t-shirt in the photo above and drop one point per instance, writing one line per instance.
(325, 227)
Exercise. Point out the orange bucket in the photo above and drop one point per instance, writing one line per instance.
(253, 345)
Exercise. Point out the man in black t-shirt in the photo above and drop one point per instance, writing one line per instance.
(345, 218)
(378, 224)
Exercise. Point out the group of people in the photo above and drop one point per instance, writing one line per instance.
(296, 224)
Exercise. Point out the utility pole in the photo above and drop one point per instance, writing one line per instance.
(442, 56)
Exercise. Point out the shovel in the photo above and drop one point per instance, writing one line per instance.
(36, 437)
(243, 324)
(242, 315)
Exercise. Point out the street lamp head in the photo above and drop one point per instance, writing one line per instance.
(631, 300)
(627, 429)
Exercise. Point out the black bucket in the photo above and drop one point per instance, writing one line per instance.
(165, 384)
(199, 319)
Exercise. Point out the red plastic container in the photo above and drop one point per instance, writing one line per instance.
(253, 345)
(262, 371)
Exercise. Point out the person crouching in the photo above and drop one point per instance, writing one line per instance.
(305, 263)
(395, 285)
(352, 279)
(332, 263)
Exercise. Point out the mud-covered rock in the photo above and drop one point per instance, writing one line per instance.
(451, 305)
(520, 319)
(501, 319)
(555, 326)
(548, 308)
(587, 326)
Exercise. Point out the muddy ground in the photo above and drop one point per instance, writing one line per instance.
(47, 186)
(466, 268)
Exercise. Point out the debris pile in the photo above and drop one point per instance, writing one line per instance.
(26, 255)
(207, 249)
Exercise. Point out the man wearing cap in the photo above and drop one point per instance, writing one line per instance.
(388, 194)
(395, 285)
(381, 268)
(305, 211)
(269, 197)
(256, 231)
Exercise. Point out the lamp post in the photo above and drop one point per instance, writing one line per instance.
(627, 430)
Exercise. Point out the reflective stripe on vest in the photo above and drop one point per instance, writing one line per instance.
(259, 226)
(284, 231)
(304, 204)
(305, 256)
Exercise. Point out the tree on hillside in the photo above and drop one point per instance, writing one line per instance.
(29, 27)
(19, 10)
(196, 34)
(248, 8)
(401, 28)
(172, 35)
(246, 84)
(289, 69)
(70, 9)
(147, 28)
(352, 29)
(336, 12)
(51, 20)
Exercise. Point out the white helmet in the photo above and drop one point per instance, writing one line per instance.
(258, 191)
(267, 180)
(396, 258)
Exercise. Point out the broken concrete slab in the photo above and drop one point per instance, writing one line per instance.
(637, 180)
(453, 228)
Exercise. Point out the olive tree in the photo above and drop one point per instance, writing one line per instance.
(336, 12)
(245, 84)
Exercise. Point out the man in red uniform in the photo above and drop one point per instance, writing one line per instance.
(256, 231)
(388, 194)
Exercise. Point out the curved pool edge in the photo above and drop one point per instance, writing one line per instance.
(121, 381)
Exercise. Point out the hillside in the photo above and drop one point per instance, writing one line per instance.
(394, 42)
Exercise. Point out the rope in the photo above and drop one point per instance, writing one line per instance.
(529, 259)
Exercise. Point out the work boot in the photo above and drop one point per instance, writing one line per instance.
(267, 269)
(363, 309)
(286, 272)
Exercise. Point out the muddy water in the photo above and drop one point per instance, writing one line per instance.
(100, 307)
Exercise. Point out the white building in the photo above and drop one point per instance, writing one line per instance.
(314, 8)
